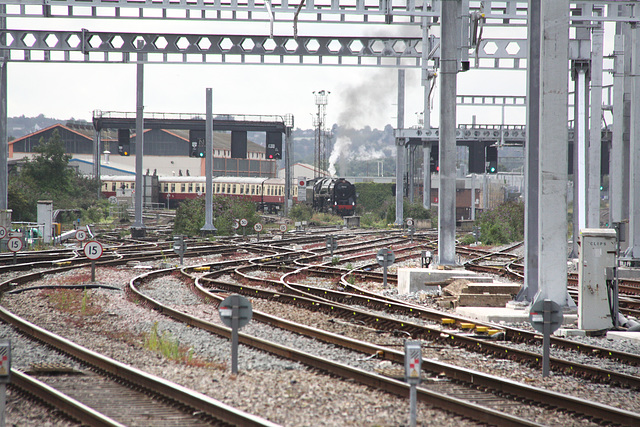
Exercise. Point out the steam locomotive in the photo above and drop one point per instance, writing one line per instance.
(334, 195)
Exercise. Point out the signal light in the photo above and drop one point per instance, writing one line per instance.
(198, 143)
(274, 146)
(492, 159)
(124, 142)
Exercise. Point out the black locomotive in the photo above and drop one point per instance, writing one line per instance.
(334, 195)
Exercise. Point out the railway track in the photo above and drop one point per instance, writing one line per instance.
(286, 286)
(488, 391)
(96, 395)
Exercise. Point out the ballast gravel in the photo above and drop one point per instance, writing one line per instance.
(282, 391)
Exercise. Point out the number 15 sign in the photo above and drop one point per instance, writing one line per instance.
(93, 251)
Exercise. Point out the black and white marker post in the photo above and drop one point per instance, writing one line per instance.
(412, 370)
(235, 312)
(385, 258)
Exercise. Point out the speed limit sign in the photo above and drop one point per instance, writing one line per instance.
(235, 224)
(283, 228)
(14, 244)
(3, 232)
(81, 235)
(93, 250)
(257, 227)
(244, 222)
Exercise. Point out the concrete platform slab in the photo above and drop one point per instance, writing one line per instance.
(563, 332)
(484, 300)
(492, 288)
(418, 279)
(502, 314)
(620, 335)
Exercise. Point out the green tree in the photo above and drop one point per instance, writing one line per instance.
(504, 224)
(49, 170)
(47, 176)
(190, 216)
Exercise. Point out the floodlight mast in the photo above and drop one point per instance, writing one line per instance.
(320, 160)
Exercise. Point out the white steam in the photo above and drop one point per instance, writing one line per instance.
(340, 148)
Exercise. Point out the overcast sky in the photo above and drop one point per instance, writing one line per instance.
(360, 96)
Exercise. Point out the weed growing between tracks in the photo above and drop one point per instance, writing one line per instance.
(74, 301)
(170, 348)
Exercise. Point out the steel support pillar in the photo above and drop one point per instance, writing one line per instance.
(138, 228)
(447, 140)
(97, 160)
(426, 124)
(473, 197)
(208, 228)
(287, 172)
(400, 149)
(580, 161)
(4, 150)
(634, 172)
(411, 169)
(426, 178)
(616, 158)
(553, 118)
(595, 130)
(531, 151)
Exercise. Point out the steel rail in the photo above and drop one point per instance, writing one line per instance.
(457, 406)
(161, 386)
(68, 405)
(379, 321)
(501, 386)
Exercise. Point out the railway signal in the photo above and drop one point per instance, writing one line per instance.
(492, 159)
(198, 143)
(124, 142)
(274, 145)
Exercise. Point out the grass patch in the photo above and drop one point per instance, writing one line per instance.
(165, 344)
(74, 301)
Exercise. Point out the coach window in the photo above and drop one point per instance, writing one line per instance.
(241, 189)
(133, 185)
(182, 188)
(173, 188)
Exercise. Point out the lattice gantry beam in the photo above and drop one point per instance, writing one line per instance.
(349, 11)
(408, 12)
(107, 47)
